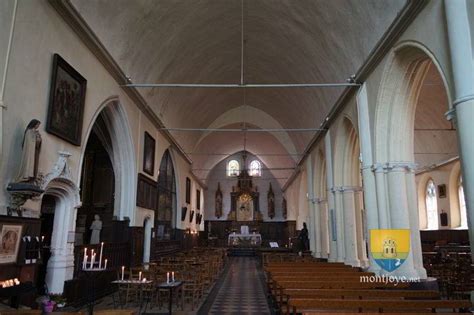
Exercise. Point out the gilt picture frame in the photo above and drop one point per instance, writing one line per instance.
(10, 239)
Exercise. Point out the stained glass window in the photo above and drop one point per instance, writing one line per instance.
(255, 168)
(233, 168)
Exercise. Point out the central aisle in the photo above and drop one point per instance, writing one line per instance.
(241, 291)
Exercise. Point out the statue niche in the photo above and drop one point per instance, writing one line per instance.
(244, 200)
(218, 206)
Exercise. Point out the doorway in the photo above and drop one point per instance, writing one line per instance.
(48, 206)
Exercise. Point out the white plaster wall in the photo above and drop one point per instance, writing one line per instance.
(448, 175)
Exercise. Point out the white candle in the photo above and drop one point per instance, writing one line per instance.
(144, 280)
(84, 261)
(140, 276)
(167, 277)
(100, 255)
(92, 261)
(123, 270)
(172, 276)
(105, 265)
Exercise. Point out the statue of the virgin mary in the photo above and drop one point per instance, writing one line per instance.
(31, 146)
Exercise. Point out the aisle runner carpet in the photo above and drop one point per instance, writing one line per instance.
(241, 291)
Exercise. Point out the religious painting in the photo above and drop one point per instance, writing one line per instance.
(271, 202)
(184, 211)
(66, 102)
(188, 190)
(198, 199)
(442, 191)
(245, 208)
(149, 154)
(10, 238)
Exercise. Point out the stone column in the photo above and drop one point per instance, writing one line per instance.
(317, 225)
(351, 256)
(361, 227)
(382, 201)
(312, 228)
(459, 35)
(331, 200)
(324, 227)
(414, 222)
(340, 228)
(368, 176)
(400, 217)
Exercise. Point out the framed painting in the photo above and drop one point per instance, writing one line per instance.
(442, 191)
(149, 144)
(184, 211)
(198, 199)
(66, 102)
(10, 243)
(188, 190)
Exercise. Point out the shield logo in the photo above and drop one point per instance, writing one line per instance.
(390, 248)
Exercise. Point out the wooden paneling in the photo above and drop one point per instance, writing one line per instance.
(147, 193)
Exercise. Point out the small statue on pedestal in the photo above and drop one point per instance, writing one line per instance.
(27, 182)
(96, 226)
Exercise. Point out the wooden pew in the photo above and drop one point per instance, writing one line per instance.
(355, 294)
(272, 279)
(307, 305)
(279, 287)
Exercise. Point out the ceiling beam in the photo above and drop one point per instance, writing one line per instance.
(246, 129)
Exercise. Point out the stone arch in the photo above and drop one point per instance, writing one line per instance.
(402, 79)
(116, 137)
(59, 184)
(346, 155)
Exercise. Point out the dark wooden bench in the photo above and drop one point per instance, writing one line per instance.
(306, 305)
(354, 294)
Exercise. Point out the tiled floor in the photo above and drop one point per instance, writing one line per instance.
(241, 290)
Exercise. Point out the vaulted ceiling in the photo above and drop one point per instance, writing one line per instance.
(199, 41)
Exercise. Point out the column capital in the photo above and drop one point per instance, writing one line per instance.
(400, 166)
(345, 189)
(395, 166)
(451, 114)
(461, 100)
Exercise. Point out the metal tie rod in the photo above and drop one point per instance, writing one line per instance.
(249, 85)
(230, 154)
(246, 129)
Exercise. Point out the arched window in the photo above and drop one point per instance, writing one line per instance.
(255, 168)
(462, 205)
(431, 206)
(233, 168)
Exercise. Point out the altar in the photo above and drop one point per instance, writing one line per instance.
(239, 239)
